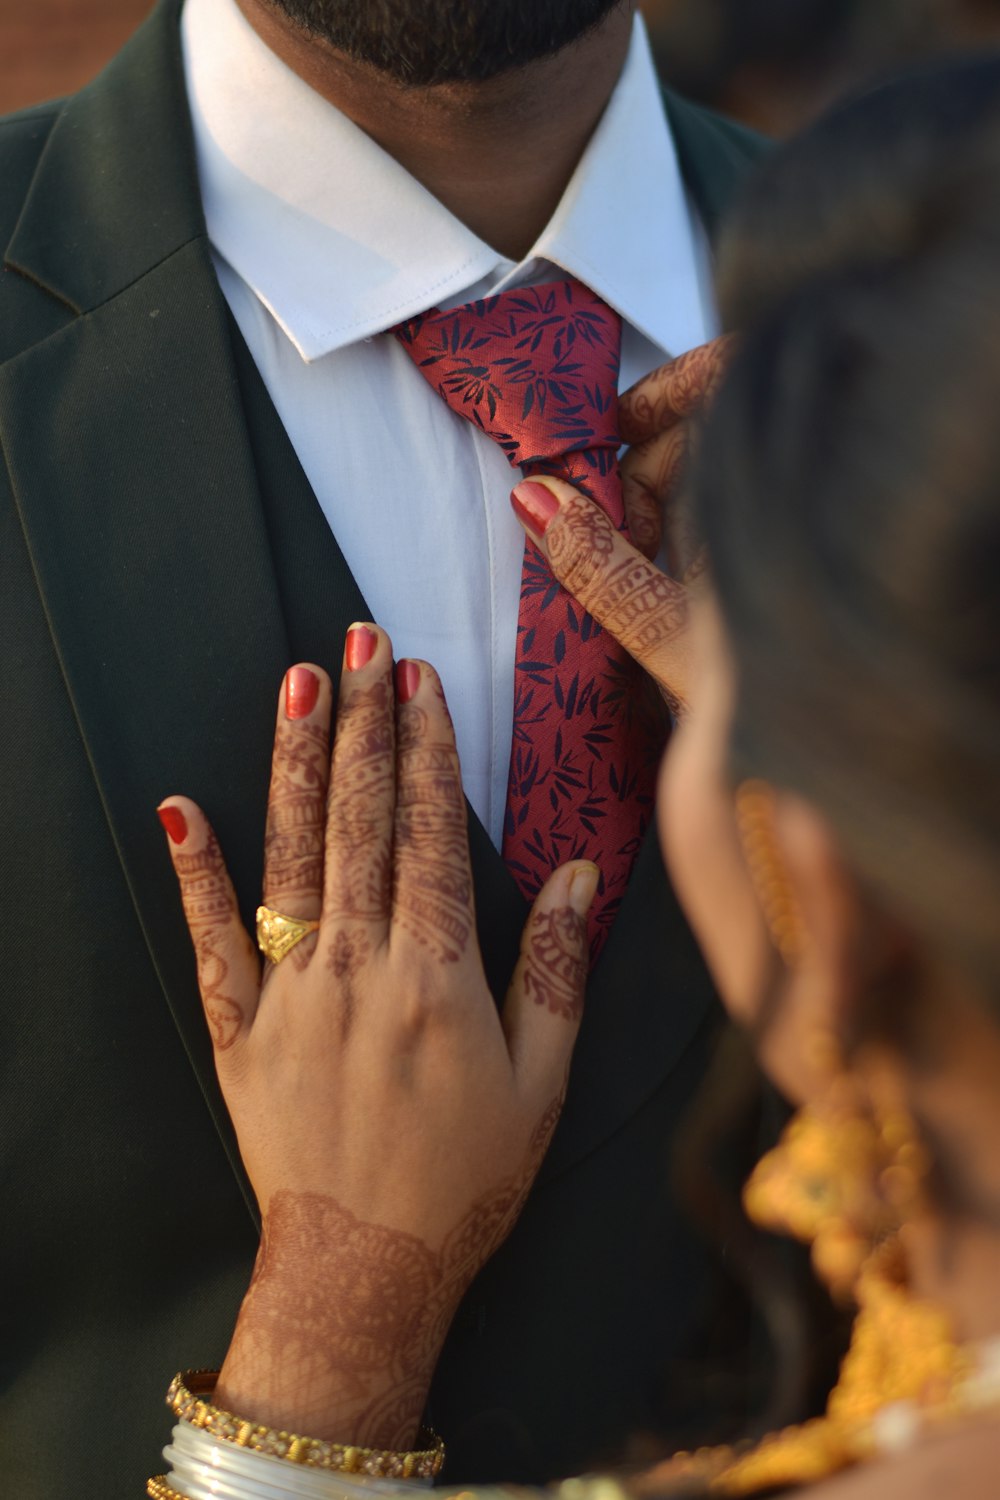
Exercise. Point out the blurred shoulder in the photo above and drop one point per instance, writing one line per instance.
(27, 312)
(26, 131)
(729, 134)
(716, 154)
(22, 140)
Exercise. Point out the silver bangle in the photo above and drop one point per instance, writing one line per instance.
(205, 1467)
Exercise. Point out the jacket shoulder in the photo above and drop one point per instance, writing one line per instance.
(739, 139)
(27, 313)
(22, 140)
(716, 155)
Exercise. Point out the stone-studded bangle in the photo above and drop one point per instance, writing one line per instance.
(189, 1400)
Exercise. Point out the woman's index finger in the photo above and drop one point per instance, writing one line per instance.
(674, 391)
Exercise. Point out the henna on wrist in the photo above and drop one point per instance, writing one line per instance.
(343, 1321)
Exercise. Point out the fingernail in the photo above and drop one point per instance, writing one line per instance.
(407, 680)
(359, 648)
(583, 887)
(301, 692)
(534, 505)
(174, 822)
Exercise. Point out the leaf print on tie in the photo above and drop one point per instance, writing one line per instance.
(536, 370)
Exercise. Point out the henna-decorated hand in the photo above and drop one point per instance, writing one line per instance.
(617, 582)
(654, 417)
(391, 1121)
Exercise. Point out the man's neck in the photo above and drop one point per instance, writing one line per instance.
(499, 154)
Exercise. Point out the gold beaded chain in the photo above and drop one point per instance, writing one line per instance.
(157, 1488)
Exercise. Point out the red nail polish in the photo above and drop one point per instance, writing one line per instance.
(407, 680)
(534, 505)
(359, 648)
(301, 692)
(174, 822)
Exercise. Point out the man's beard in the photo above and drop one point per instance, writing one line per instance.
(423, 42)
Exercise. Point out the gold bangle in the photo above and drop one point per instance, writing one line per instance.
(186, 1399)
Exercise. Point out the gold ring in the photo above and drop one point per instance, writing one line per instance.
(278, 934)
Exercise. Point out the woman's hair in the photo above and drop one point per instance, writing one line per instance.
(848, 489)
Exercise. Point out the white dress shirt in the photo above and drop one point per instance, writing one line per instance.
(322, 242)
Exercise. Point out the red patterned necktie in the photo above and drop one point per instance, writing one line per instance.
(536, 369)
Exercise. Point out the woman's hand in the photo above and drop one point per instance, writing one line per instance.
(391, 1121)
(654, 418)
(645, 609)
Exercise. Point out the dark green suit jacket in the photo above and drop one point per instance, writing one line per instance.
(162, 559)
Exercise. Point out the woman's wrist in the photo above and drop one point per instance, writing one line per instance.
(296, 1389)
(211, 1447)
(340, 1329)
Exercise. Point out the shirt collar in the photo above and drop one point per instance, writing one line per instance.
(340, 242)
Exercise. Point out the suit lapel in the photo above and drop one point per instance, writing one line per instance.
(131, 468)
(116, 189)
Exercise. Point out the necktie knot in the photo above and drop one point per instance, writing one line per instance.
(536, 369)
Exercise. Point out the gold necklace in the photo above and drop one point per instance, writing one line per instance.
(902, 1373)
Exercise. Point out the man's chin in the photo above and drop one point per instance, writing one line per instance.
(425, 42)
